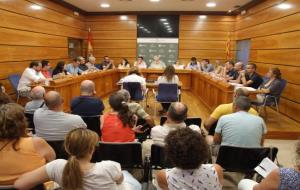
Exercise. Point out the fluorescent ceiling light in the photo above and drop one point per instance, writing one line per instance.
(123, 17)
(105, 5)
(211, 4)
(284, 6)
(154, 0)
(36, 7)
(141, 27)
(202, 16)
(163, 19)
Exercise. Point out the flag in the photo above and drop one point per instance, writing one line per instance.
(228, 47)
(89, 44)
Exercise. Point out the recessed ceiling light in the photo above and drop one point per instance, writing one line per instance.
(105, 5)
(229, 11)
(211, 4)
(163, 19)
(141, 27)
(154, 0)
(123, 17)
(170, 31)
(202, 16)
(284, 6)
(36, 7)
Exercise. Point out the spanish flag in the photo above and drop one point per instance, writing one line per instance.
(89, 44)
(228, 47)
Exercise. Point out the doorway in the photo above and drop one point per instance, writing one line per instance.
(74, 48)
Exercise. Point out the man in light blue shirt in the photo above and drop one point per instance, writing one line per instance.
(73, 68)
(206, 66)
(240, 129)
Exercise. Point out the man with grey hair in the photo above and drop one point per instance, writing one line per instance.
(91, 64)
(87, 104)
(137, 109)
(37, 96)
(240, 129)
(51, 123)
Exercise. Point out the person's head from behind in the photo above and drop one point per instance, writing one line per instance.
(35, 65)
(186, 149)
(13, 123)
(76, 62)
(60, 66)
(118, 103)
(80, 144)
(106, 59)
(125, 94)
(177, 112)
(274, 73)
(251, 68)
(169, 72)
(45, 65)
(229, 65)
(53, 101)
(193, 60)
(92, 59)
(140, 59)
(241, 103)
(134, 70)
(81, 59)
(87, 88)
(37, 93)
(4, 98)
(241, 92)
(238, 66)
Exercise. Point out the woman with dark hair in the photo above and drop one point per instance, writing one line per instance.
(188, 152)
(278, 179)
(78, 173)
(169, 76)
(124, 64)
(19, 153)
(119, 124)
(272, 86)
(59, 70)
(45, 68)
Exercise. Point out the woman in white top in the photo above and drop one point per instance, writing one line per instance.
(140, 63)
(78, 172)
(124, 64)
(187, 151)
(178, 65)
(169, 76)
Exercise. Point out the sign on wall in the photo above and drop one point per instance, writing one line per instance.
(166, 48)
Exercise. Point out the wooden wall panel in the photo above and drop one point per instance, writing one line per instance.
(115, 53)
(115, 35)
(200, 44)
(111, 44)
(203, 35)
(274, 35)
(111, 25)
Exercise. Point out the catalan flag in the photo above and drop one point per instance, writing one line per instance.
(89, 44)
(228, 47)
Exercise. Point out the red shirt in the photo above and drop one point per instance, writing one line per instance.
(114, 131)
(46, 74)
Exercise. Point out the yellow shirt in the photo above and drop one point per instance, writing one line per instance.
(225, 109)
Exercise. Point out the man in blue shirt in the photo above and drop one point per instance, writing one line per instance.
(73, 68)
(86, 104)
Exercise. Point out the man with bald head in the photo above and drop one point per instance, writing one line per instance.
(51, 123)
(37, 99)
(239, 68)
(225, 109)
(87, 104)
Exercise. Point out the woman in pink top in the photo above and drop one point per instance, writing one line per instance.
(119, 124)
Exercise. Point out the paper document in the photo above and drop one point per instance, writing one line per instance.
(265, 167)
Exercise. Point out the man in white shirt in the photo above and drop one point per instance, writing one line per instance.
(51, 123)
(32, 74)
(240, 129)
(157, 63)
(140, 63)
(134, 76)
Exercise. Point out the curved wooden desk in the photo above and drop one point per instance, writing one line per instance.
(210, 91)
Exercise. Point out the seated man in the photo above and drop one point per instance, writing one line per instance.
(51, 123)
(134, 76)
(206, 66)
(91, 64)
(157, 63)
(32, 74)
(240, 129)
(250, 77)
(238, 67)
(225, 109)
(137, 109)
(37, 96)
(82, 64)
(106, 64)
(230, 72)
(194, 64)
(87, 104)
(140, 63)
(73, 68)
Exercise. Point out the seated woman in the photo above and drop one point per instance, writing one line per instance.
(119, 124)
(272, 86)
(178, 65)
(279, 179)
(19, 153)
(169, 76)
(59, 70)
(187, 151)
(124, 64)
(78, 172)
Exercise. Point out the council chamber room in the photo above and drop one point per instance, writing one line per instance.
(150, 94)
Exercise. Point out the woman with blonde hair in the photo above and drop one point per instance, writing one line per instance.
(19, 153)
(78, 172)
